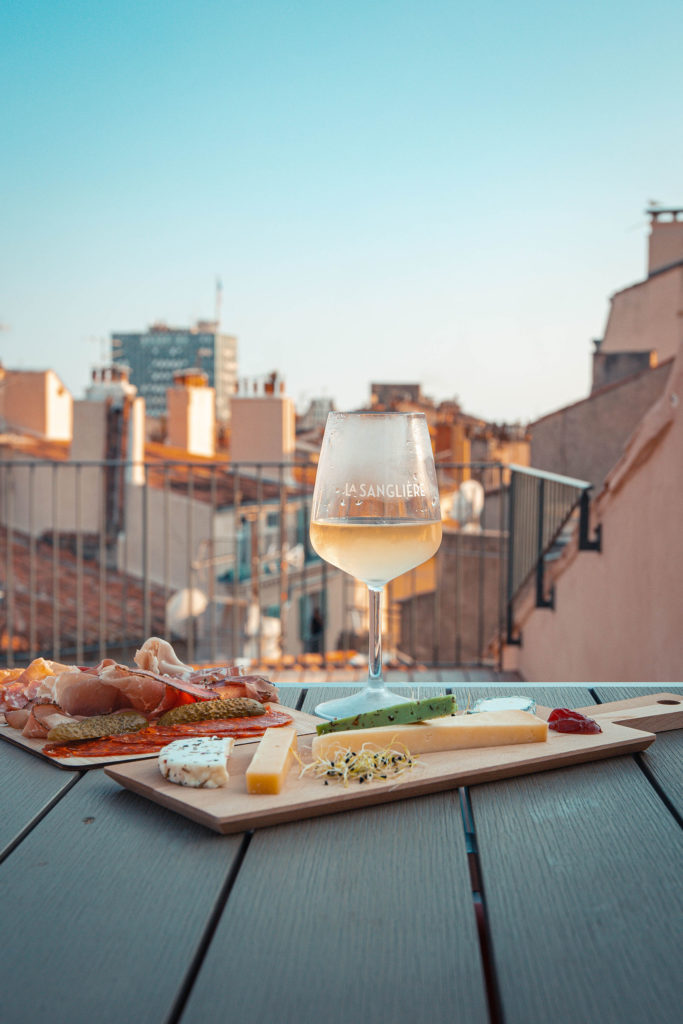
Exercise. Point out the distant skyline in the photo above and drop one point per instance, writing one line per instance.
(425, 191)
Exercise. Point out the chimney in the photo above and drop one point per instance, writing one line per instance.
(36, 402)
(263, 423)
(191, 413)
(665, 246)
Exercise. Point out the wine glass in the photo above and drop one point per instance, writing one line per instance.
(375, 514)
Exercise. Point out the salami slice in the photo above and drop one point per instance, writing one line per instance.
(151, 739)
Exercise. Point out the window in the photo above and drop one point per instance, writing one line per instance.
(312, 621)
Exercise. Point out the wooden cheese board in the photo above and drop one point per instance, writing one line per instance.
(231, 809)
(304, 724)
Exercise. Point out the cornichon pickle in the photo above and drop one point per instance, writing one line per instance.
(203, 710)
(97, 726)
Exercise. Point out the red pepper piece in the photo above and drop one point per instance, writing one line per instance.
(566, 720)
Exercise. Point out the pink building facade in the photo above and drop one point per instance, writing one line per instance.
(618, 613)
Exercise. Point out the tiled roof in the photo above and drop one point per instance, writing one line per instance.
(30, 447)
(122, 597)
(214, 480)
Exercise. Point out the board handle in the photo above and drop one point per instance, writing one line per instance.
(658, 712)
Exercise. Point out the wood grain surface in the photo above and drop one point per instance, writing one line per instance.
(108, 900)
(363, 917)
(602, 942)
(231, 809)
(606, 856)
(33, 791)
(116, 909)
(663, 761)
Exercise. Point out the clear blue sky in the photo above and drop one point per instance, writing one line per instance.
(418, 190)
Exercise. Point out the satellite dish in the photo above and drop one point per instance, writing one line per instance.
(469, 504)
(183, 605)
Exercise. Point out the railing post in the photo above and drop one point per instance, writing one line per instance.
(9, 577)
(501, 577)
(541, 600)
(585, 543)
(282, 577)
(189, 541)
(211, 574)
(146, 595)
(56, 636)
(511, 555)
(237, 526)
(32, 564)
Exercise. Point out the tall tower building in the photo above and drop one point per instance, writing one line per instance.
(156, 355)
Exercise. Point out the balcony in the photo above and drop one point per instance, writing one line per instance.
(96, 556)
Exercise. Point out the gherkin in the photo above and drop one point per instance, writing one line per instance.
(204, 710)
(97, 726)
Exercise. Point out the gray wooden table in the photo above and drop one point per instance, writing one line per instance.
(550, 898)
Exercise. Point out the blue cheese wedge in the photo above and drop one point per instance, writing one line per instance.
(197, 762)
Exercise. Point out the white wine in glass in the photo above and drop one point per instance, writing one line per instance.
(376, 515)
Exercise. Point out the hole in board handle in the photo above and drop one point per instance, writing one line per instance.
(669, 702)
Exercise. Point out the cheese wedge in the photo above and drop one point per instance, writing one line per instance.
(270, 763)
(197, 762)
(488, 729)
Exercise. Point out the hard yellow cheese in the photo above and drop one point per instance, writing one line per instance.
(455, 732)
(270, 763)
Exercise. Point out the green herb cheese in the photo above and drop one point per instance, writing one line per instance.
(398, 714)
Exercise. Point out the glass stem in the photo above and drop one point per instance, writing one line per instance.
(375, 640)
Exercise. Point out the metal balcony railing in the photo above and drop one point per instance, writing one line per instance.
(540, 505)
(97, 556)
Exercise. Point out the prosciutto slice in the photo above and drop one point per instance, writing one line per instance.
(42, 718)
(111, 687)
(34, 682)
(255, 687)
(18, 717)
(157, 655)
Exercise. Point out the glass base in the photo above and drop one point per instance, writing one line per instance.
(369, 699)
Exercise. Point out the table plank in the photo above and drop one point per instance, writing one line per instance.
(581, 894)
(34, 787)
(664, 758)
(111, 896)
(363, 916)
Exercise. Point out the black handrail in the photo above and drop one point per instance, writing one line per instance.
(540, 505)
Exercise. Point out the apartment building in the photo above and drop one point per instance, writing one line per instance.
(156, 355)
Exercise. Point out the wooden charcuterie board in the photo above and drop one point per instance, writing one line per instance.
(304, 724)
(231, 809)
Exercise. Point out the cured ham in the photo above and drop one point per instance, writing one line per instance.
(33, 683)
(228, 684)
(18, 717)
(42, 718)
(111, 687)
(8, 675)
(157, 655)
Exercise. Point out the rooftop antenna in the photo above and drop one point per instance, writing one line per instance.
(219, 301)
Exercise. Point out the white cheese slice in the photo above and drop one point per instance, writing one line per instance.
(197, 762)
(454, 732)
